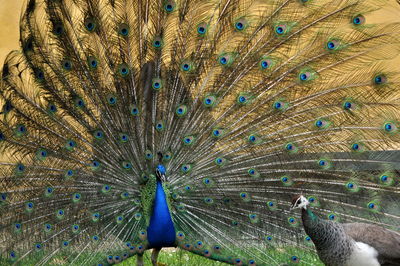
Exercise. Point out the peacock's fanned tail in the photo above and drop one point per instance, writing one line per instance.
(247, 101)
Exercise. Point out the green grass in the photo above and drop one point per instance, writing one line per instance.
(178, 257)
(174, 257)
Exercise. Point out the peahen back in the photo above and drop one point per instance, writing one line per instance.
(244, 102)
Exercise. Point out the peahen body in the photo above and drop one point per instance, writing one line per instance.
(130, 125)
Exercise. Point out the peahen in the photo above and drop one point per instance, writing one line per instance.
(350, 244)
(129, 125)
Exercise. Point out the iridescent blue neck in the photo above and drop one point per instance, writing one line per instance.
(161, 230)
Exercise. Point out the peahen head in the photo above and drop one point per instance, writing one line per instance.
(299, 202)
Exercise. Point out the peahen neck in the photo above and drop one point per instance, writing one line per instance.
(315, 228)
(328, 237)
(161, 230)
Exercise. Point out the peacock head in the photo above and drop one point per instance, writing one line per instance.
(299, 202)
(161, 173)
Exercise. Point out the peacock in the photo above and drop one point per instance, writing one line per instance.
(129, 125)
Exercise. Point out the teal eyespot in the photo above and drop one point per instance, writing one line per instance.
(123, 137)
(41, 154)
(134, 110)
(160, 126)
(208, 182)
(20, 130)
(324, 163)
(48, 192)
(254, 139)
(20, 169)
(75, 228)
(123, 29)
(286, 180)
(358, 20)
(244, 99)
(208, 200)
(98, 134)
(322, 123)
(126, 165)
(138, 216)
(187, 66)
(254, 218)
(291, 148)
(357, 147)
(380, 79)
(226, 59)
(51, 108)
(186, 168)
(111, 99)
(70, 145)
(48, 228)
(280, 105)
(90, 24)
(333, 217)
(95, 217)
(66, 64)
(158, 42)
(119, 219)
(209, 101)
(386, 179)
(293, 221)
(169, 6)
(307, 75)
(17, 228)
(220, 161)
(157, 84)
(202, 29)
(106, 189)
(268, 238)
(253, 173)
(60, 214)
(79, 102)
(245, 196)
(390, 127)
(272, 205)
(188, 140)
(348, 105)
(180, 235)
(218, 132)
(124, 195)
(95, 165)
(373, 206)
(29, 206)
(281, 29)
(352, 186)
(181, 110)
(92, 62)
(241, 24)
(148, 155)
(38, 247)
(123, 70)
(333, 45)
(266, 63)
(76, 197)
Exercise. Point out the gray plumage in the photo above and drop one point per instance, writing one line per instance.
(336, 243)
(385, 241)
(333, 245)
